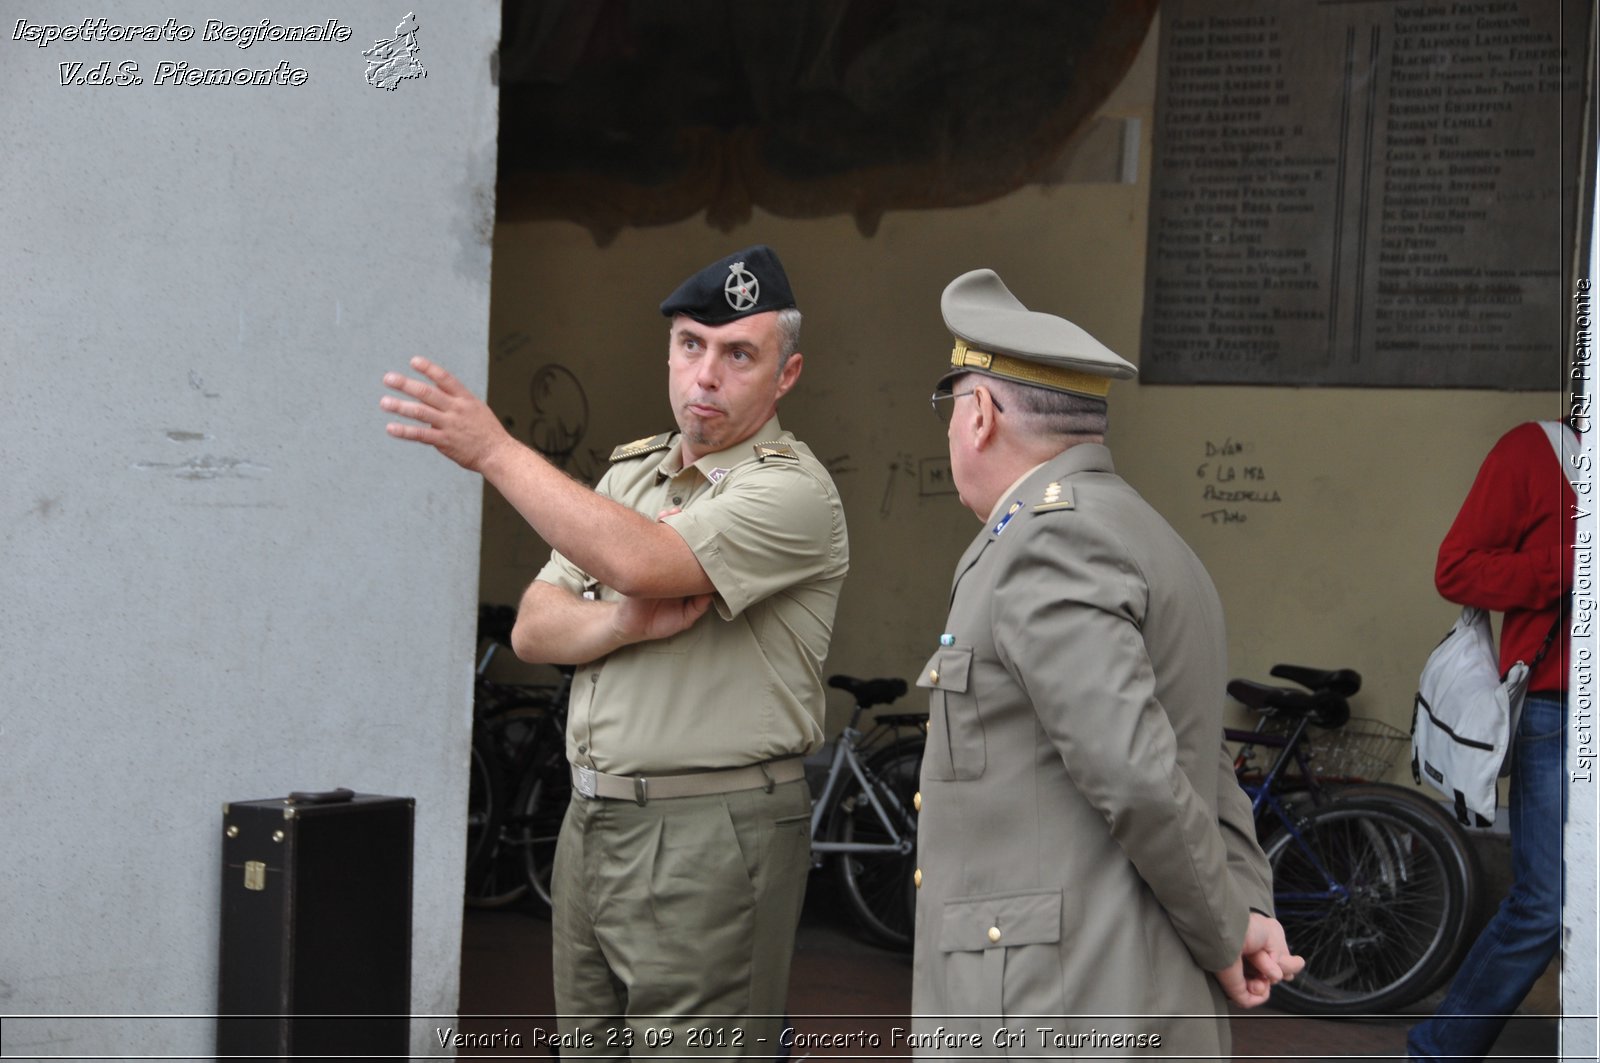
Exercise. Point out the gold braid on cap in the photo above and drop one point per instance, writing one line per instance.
(1048, 376)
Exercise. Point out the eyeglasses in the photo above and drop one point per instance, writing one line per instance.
(944, 412)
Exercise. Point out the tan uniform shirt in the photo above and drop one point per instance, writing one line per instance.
(744, 683)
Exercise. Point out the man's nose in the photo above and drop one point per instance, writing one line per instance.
(709, 373)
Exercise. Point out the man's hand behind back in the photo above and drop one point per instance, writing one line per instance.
(1264, 961)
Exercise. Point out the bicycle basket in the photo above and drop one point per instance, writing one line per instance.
(1363, 750)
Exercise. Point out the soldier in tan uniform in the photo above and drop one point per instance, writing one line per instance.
(1088, 873)
(696, 586)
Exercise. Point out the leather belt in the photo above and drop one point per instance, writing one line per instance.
(644, 788)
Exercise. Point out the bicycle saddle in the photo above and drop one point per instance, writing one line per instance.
(869, 692)
(1325, 708)
(1341, 681)
(902, 719)
(495, 622)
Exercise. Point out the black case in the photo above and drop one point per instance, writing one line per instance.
(316, 927)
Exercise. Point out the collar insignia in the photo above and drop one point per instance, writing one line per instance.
(1012, 512)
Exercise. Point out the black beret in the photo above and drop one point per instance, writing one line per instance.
(746, 282)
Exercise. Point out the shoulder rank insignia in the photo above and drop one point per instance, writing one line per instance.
(640, 447)
(775, 449)
(1055, 497)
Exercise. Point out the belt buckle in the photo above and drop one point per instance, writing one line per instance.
(585, 780)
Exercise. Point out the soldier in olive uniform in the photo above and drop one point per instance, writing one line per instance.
(1088, 872)
(696, 585)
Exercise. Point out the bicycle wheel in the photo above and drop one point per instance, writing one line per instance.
(541, 807)
(1368, 892)
(500, 741)
(1463, 858)
(878, 887)
(483, 805)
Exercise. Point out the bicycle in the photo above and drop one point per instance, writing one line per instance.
(514, 728)
(866, 813)
(1375, 885)
(544, 791)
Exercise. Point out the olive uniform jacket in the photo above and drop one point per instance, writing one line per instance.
(1084, 852)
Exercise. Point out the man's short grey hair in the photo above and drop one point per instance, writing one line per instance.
(788, 334)
(788, 325)
(1047, 412)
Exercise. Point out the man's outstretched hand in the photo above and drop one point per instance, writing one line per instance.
(450, 418)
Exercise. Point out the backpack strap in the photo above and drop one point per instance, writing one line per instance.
(1555, 431)
(1561, 436)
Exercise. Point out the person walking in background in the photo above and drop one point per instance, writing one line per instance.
(1510, 550)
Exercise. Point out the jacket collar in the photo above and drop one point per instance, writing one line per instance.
(1083, 457)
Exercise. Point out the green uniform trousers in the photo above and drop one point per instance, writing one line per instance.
(674, 922)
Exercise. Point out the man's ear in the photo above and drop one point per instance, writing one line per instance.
(986, 425)
(790, 374)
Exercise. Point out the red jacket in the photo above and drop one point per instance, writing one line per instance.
(1510, 550)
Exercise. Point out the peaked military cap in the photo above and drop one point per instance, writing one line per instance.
(746, 282)
(998, 336)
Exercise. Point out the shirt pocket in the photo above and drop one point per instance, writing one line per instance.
(955, 748)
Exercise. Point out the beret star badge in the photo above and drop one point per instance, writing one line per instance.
(741, 288)
(748, 281)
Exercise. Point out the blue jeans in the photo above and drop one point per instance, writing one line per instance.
(1519, 942)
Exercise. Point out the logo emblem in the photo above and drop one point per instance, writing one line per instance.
(742, 288)
(394, 60)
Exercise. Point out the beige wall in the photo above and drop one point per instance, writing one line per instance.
(1336, 574)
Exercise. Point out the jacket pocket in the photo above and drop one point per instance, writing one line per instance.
(955, 748)
(984, 944)
(1001, 920)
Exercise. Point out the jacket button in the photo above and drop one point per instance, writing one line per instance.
(916, 878)
(994, 933)
(933, 676)
(916, 800)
